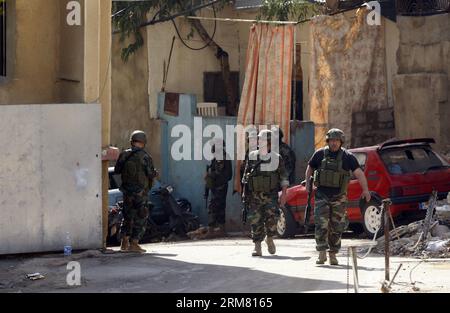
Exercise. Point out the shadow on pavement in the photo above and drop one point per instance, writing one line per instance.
(153, 273)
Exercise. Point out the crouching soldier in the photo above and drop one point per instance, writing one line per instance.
(264, 176)
(137, 172)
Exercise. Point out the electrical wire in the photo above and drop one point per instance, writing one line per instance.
(211, 37)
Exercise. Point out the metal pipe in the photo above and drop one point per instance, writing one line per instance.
(386, 203)
(225, 19)
(395, 275)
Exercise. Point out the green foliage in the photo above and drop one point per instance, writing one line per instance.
(288, 10)
(128, 16)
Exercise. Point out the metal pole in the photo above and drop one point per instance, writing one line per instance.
(355, 269)
(221, 19)
(386, 204)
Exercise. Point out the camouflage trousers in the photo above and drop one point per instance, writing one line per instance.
(135, 214)
(330, 217)
(216, 207)
(263, 215)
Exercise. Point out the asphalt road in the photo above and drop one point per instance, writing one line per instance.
(223, 265)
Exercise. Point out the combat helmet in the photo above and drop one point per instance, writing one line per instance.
(138, 135)
(335, 133)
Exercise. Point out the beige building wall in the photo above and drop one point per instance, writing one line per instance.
(130, 108)
(421, 87)
(187, 66)
(45, 62)
(35, 40)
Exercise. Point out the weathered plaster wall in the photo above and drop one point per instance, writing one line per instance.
(369, 126)
(421, 88)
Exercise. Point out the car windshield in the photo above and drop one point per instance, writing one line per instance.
(411, 160)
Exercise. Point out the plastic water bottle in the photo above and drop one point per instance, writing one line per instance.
(68, 245)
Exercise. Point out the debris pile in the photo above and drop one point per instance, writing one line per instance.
(207, 233)
(428, 238)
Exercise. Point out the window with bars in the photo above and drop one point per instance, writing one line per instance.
(3, 37)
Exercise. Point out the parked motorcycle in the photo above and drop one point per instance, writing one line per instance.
(167, 216)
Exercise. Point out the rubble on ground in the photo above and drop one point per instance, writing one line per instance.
(407, 240)
(206, 233)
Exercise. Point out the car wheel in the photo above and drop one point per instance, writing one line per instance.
(286, 225)
(372, 219)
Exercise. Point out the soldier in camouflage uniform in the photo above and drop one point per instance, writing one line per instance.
(217, 177)
(137, 172)
(264, 184)
(332, 167)
(287, 154)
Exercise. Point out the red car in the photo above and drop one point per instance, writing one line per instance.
(406, 171)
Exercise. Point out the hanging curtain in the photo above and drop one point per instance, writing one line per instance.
(267, 91)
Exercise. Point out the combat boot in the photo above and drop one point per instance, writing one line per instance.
(322, 257)
(270, 245)
(134, 247)
(333, 259)
(125, 243)
(257, 251)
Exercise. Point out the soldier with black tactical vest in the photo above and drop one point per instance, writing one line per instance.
(265, 175)
(137, 172)
(332, 167)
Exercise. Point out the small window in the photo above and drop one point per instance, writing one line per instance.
(214, 88)
(3, 37)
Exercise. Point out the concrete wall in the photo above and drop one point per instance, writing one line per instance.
(50, 178)
(421, 88)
